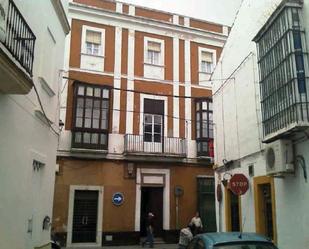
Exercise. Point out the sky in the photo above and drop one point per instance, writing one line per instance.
(220, 11)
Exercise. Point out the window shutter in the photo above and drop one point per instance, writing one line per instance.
(93, 37)
(154, 46)
(206, 56)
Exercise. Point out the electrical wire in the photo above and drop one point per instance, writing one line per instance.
(141, 92)
(139, 112)
(42, 109)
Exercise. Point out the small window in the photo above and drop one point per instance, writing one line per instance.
(93, 42)
(206, 61)
(153, 52)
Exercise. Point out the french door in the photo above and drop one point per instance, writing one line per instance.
(153, 133)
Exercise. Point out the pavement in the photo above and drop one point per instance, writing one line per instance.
(156, 246)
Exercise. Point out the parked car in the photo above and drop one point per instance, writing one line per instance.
(232, 240)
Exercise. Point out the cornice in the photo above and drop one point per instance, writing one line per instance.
(127, 20)
(61, 15)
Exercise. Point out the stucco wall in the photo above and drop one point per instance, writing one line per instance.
(238, 134)
(25, 193)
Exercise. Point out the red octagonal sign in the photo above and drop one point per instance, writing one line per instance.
(239, 184)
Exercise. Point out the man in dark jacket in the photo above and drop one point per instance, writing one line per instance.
(149, 228)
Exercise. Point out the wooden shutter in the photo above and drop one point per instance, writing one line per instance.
(206, 56)
(154, 46)
(93, 37)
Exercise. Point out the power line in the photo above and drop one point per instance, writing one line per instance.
(139, 112)
(141, 92)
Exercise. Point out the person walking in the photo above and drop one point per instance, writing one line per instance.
(197, 222)
(149, 229)
(185, 236)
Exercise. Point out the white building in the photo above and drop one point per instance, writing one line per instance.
(32, 35)
(262, 106)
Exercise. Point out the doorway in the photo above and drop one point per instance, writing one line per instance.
(232, 211)
(152, 201)
(265, 212)
(85, 215)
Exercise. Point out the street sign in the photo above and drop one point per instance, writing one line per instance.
(118, 199)
(239, 184)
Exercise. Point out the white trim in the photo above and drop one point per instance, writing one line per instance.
(119, 7)
(214, 57)
(175, 19)
(117, 80)
(131, 10)
(162, 53)
(188, 88)
(166, 196)
(100, 189)
(176, 87)
(204, 176)
(130, 82)
(90, 28)
(141, 116)
(186, 21)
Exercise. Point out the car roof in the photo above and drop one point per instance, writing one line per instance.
(212, 239)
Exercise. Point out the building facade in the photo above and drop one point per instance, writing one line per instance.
(261, 122)
(31, 57)
(138, 133)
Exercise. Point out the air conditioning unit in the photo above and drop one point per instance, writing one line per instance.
(279, 157)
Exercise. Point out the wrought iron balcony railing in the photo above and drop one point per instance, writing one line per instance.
(164, 146)
(19, 38)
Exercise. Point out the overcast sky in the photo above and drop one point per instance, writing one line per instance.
(221, 11)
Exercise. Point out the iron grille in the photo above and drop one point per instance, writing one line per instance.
(19, 39)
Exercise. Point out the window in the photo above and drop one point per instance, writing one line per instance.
(152, 128)
(204, 127)
(91, 116)
(93, 42)
(153, 52)
(206, 62)
(283, 60)
(153, 120)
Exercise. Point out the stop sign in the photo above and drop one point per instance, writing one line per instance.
(239, 184)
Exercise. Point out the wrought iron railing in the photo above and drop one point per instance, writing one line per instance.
(19, 39)
(165, 146)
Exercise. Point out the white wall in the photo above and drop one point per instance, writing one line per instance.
(25, 193)
(238, 131)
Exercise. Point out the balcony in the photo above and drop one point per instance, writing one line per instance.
(162, 147)
(16, 53)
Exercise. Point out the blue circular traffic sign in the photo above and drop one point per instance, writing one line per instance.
(118, 199)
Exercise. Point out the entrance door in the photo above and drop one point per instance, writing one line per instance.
(265, 206)
(207, 203)
(152, 201)
(85, 216)
(232, 211)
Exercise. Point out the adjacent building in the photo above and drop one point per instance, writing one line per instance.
(261, 122)
(138, 133)
(31, 57)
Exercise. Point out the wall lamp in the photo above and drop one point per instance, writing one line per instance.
(61, 124)
(225, 180)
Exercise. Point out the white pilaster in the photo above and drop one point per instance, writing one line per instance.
(187, 22)
(131, 10)
(118, 7)
(176, 19)
(117, 81)
(176, 86)
(191, 153)
(130, 83)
